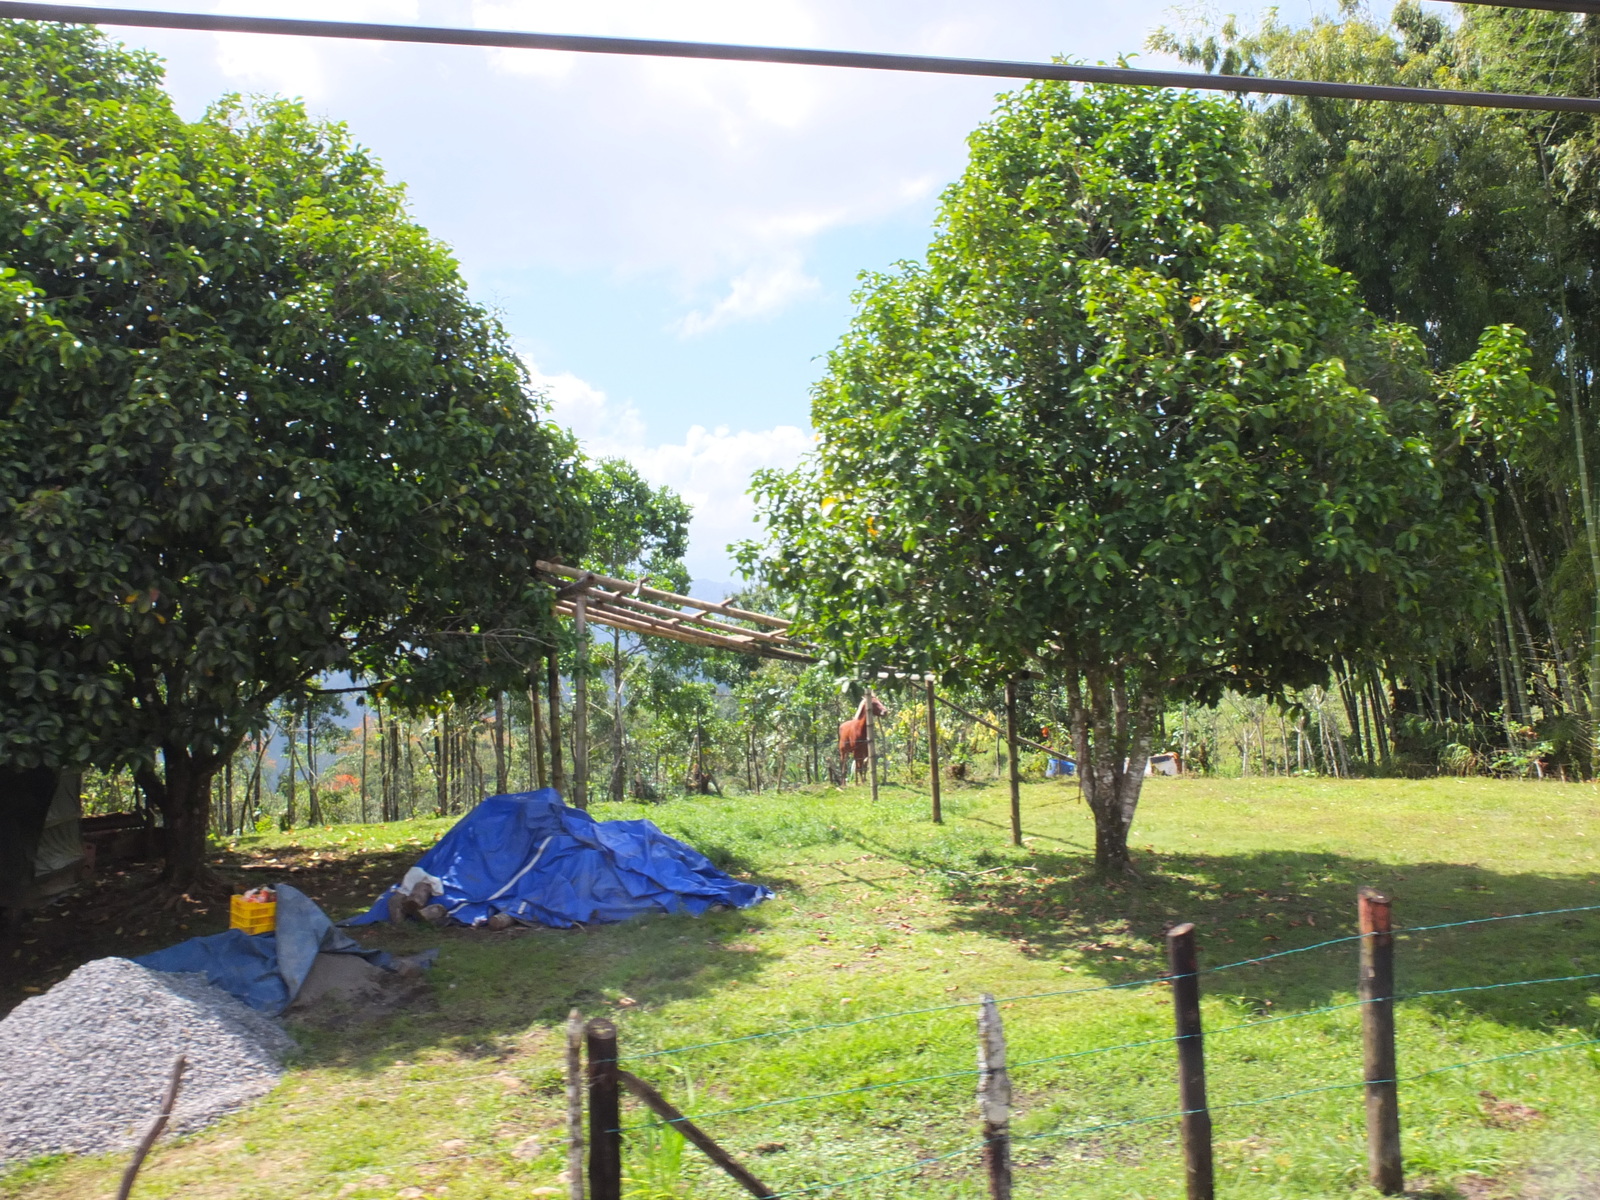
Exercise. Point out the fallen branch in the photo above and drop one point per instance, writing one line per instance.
(154, 1131)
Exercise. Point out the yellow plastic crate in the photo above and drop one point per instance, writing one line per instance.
(252, 918)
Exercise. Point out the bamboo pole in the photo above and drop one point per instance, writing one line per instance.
(639, 588)
(580, 707)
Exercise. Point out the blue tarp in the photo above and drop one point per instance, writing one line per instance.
(533, 857)
(1060, 766)
(265, 970)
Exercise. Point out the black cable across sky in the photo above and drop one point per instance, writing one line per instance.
(718, 51)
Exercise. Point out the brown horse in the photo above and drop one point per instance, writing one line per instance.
(853, 734)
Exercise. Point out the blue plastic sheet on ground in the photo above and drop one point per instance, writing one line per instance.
(531, 856)
(1060, 766)
(265, 970)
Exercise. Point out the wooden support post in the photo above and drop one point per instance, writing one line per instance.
(605, 1112)
(1183, 963)
(558, 777)
(872, 747)
(1011, 752)
(659, 1105)
(1375, 988)
(580, 705)
(933, 756)
(994, 1099)
(574, 1105)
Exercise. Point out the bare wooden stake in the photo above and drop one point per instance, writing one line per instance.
(994, 1099)
(574, 1105)
(1183, 962)
(1375, 988)
(605, 1112)
(664, 1109)
(156, 1126)
(933, 754)
(1015, 772)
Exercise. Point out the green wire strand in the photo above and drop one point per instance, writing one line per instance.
(1105, 987)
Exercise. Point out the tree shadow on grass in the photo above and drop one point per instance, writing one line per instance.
(1247, 906)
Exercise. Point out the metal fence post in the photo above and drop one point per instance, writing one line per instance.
(605, 1112)
(1183, 962)
(1375, 989)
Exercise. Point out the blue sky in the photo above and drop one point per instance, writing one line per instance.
(671, 244)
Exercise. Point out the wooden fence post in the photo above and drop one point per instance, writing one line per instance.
(574, 1105)
(1183, 964)
(933, 755)
(1011, 752)
(994, 1099)
(580, 704)
(872, 747)
(605, 1112)
(1375, 988)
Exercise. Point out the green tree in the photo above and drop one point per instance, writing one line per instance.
(256, 431)
(1454, 219)
(1123, 425)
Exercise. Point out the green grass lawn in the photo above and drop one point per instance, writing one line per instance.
(878, 911)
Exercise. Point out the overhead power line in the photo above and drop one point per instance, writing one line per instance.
(655, 48)
(1573, 6)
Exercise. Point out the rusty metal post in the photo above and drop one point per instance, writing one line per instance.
(933, 755)
(605, 1112)
(1184, 964)
(994, 1099)
(1375, 989)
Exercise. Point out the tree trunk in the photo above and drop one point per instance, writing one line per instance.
(311, 773)
(1112, 738)
(501, 782)
(181, 793)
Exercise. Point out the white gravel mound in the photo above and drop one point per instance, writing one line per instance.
(84, 1066)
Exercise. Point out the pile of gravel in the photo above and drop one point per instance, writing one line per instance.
(84, 1066)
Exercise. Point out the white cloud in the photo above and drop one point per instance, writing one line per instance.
(709, 468)
(760, 291)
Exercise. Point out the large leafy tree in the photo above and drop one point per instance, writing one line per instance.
(255, 430)
(1125, 426)
(1453, 219)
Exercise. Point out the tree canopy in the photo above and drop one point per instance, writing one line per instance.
(256, 429)
(1124, 425)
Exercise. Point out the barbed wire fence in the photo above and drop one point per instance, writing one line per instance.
(604, 1080)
